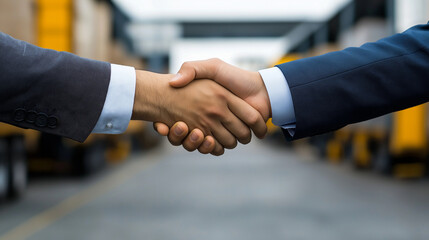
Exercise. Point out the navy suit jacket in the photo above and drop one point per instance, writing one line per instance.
(356, 84)
(50, 91)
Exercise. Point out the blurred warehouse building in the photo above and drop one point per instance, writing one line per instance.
(160, 35)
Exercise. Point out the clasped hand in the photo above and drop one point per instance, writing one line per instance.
(220, 108)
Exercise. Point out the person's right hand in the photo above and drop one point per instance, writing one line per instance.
(245, 84)
(203, 105)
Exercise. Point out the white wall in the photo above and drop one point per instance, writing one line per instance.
(233, 10)
(410, 12)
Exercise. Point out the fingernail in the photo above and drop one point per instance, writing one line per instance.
(207, 143)
(176, 77)
(194, 137)
(178, 130)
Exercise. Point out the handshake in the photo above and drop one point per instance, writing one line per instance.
(222, 106)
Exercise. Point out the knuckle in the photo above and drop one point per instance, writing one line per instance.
(186, 64)
(216, 63)
(253, 119)
(215, 60)
(216, 113)
(221, 94)
(227, 121)
(204, 125)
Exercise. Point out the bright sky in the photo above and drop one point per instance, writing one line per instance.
(230, 10)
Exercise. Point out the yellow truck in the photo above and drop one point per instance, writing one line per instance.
(13, 170)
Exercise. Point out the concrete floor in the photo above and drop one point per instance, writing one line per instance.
(255, 192)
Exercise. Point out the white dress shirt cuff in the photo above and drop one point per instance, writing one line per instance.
(280, 98)
(118, 106)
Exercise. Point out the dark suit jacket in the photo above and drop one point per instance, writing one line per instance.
(356, 84)
(50, 91)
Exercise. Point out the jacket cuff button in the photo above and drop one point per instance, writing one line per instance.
(19, 115)
(31, 116)
(52, 122)
(109, 125)
(41, 120)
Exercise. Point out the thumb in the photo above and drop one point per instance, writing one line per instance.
(196, 70)
(161, 128)
(185, 75)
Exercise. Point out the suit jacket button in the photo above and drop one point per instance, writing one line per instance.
(41, 120)
(19, 115)
(31, 116)
(52, 122)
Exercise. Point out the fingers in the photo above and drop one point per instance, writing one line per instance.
(237, 128)
(194, 140)
(196, 70)
(250, 116)
(208, 145)
(205, 145)
(218, 149)
(223, 136)
(178, 133)
(161, 128)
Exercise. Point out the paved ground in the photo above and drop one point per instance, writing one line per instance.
(256, 192)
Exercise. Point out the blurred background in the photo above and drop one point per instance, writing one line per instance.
(365, 181)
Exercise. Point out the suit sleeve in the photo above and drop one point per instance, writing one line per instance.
(54, 92)
(356, 84)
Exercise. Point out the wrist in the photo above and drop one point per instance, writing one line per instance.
(148, 100)
(263, 96)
